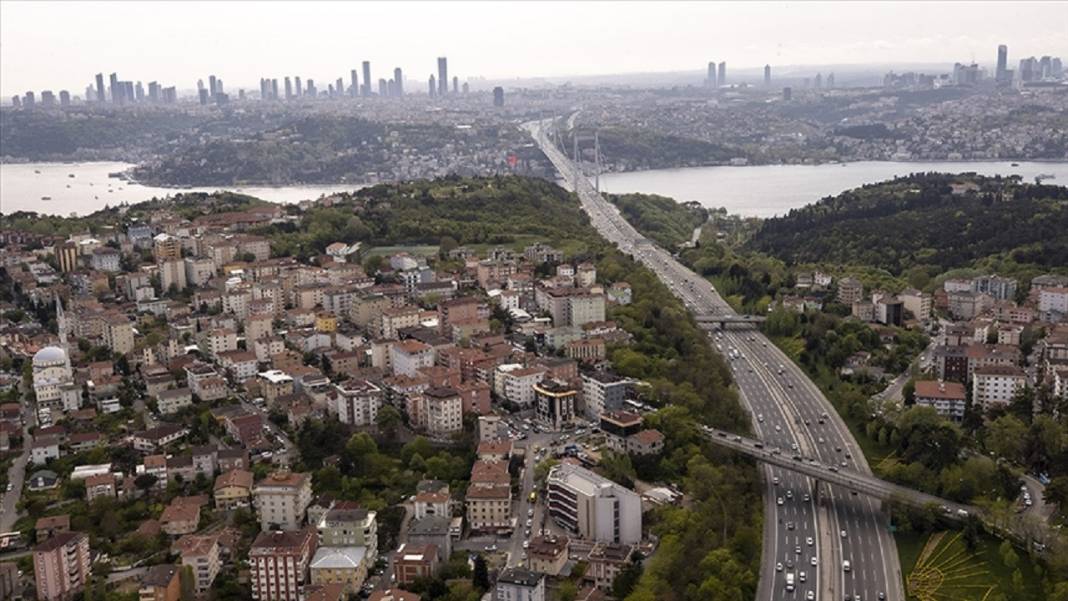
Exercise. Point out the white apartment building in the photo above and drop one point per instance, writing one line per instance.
(282, 499)
(996, 385)
(593, 507)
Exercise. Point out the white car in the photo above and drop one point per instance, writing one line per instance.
(526, 544)
(843, 533)
(778, 567)
(812, 561)
(810, 596)
(809, 541)
(779, 501)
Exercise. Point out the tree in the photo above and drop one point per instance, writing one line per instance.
(480, 575)
(145, 481)
(188, 584)
(1007, 437)
(388, 420)
(627, 578)
(1008, 555)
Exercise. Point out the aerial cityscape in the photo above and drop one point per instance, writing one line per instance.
(477, 301)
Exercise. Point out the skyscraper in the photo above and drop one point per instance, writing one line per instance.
(289, 88)
(339, 87)
(455, 85)
(767, 76)
(443, 76)
(64, 98)
(153, 91)
(113, 87)
(710, 80)
(298, 89)
(383, 87)
(274, 89)
(830, 81)
(101, 96)
(354, 91)
(1003, 63)
(432, 90)
(398, 82)
(211, 86)
(498, 96)
(819, 81)
(722, 79)
(366, 78)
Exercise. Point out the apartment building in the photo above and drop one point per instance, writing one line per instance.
(603, 392)
(554, 404)
(518, 584)
(279, 563)
(61, 566)
(593, 507)
(947, 398)
(201, 555)
(350, 526)
(282, 499)
(996, 385)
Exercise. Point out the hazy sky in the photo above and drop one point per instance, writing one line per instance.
(57, 45)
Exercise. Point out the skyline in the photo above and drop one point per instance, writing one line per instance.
(222, 43)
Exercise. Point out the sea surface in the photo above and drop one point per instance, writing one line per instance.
(768, 190)
(760, 191)
(22, 187)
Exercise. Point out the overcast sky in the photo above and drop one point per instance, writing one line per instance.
(62, 45)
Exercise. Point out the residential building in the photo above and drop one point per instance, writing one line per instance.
(603, 392)
(180, 518)
(233, 489)
(518, 584)
(340, 565)
(918, 303)
(61, 566)
(548, 554)
(412, 562)
(409, 356)
(554, 404)
(174, 400)
(282, 499)
(49, 526)
(358, 402)
(1000, 288)
(10, 587)
(850, 290)
(592, 506)
(996, 385)
(279, 562)
(100, 486)
(618, 426)
(947, 398)
(343, 526)
(606, 561)
(201, 555)
(1053, 301)
(646, 442)
(161, 583)
(443, 412)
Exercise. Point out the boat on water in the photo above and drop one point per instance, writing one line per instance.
(1015, 164)
(70, 175)
(37, 171)
(1044, 176)
(46, 198)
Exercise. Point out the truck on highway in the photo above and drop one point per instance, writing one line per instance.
(789, 582)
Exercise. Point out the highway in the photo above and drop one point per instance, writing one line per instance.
(817, 527)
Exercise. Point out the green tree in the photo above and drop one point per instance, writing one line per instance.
(480, 574)
(1007, 437)
(627, 578)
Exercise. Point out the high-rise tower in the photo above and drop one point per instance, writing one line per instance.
(443, 76)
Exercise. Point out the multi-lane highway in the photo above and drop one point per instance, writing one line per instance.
(809, 527)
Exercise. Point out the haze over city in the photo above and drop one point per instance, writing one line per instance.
(60, 45)
(539, 301)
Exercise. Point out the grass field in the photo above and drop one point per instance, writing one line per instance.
(940, 567)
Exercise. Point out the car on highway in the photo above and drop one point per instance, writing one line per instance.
(846, 565)
(779, 501)
(801, 576)
(797, 550)
(526, 544)
(812, 560)
(778, 567)
(810, 596)
(809, 541)
(843, 533)
(775, 480)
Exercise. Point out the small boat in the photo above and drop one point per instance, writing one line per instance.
(37, 171)
(46, 198)
(68, 185)
(70, 175)
(1015, 164)
(1044, 176)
